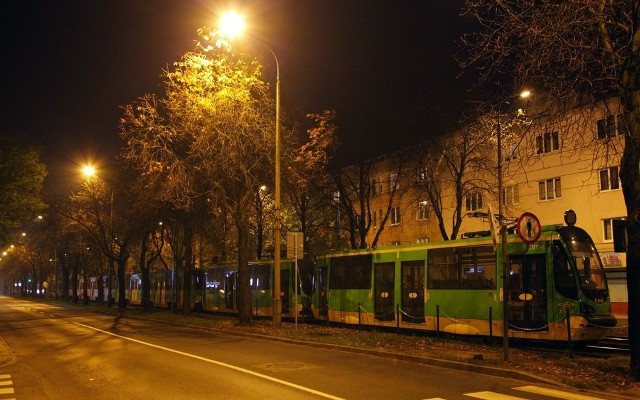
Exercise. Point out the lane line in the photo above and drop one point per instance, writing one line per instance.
(492, 396)
(218, 363)
(556, 393)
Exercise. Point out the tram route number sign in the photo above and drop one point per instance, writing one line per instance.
(528, 228)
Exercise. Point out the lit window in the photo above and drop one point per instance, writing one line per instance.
(609, 179)
(549, 189)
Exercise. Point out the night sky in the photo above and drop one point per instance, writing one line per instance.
(386, 67)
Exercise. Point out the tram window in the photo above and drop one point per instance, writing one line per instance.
(351, 272)
(563, 275)
(462, 268)
(259, 277)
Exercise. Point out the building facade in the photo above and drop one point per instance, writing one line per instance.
(549, 166)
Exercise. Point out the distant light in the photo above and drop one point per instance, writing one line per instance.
(525, 93)
(231, 24)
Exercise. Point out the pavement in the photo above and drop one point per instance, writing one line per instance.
(7, 357)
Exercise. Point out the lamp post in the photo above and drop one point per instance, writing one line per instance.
(503, 234)
(232, 25)
(89, 172)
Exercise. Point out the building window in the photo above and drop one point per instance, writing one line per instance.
(511, 195)
(547, 142)
(609, 179)
(423, 210)
(474, 202)
(393, 183)
(421, 175)
(511, 153)
(607, 228)
(377, 185)
(549, 189)
(422, 240)
(610, 126)
(395, 215)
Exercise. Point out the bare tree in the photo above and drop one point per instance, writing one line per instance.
(360, 187)
(460, 164)
(208, 140)
(306, 187)
(573, 52)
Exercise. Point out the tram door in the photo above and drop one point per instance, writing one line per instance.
(384, 280)
(284, 290)
(413, 291)
(323, 298)
(526, 291)
(230, 289)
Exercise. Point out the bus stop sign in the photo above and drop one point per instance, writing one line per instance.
(528, 228)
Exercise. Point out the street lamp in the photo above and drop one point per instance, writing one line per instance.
(503, 233)
(89, 171)
(232, 25)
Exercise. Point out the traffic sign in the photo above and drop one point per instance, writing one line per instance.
(528, 228)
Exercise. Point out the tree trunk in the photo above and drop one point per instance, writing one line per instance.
(122, 265)
(144, 270)
(245, 315)
(188, 265)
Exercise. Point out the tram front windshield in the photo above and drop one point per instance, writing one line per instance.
(589, 268)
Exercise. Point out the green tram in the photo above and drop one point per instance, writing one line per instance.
(456, 287)
(215, 289)
(221, 289)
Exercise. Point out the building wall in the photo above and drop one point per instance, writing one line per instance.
(575, 163)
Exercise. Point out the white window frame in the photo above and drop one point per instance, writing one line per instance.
(377, 185)
(393, 183)
(547, 142)
(609, 179)
(395, 216)
(609, 126)
(474, 202)
(511, 195)
(553, 186)
(423, 210)
(607, 229)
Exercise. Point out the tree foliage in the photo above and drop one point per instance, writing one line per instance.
(22, 176)
(208, 140)
(573, 52)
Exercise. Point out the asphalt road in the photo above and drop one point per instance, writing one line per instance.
(53, 352)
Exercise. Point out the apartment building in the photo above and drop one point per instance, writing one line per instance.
(549, 166)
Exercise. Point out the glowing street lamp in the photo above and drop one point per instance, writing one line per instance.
(232, 25)
(88, 171)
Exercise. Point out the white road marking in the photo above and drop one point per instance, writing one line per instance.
(556, 393)
(492, 396)
(219, 363)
